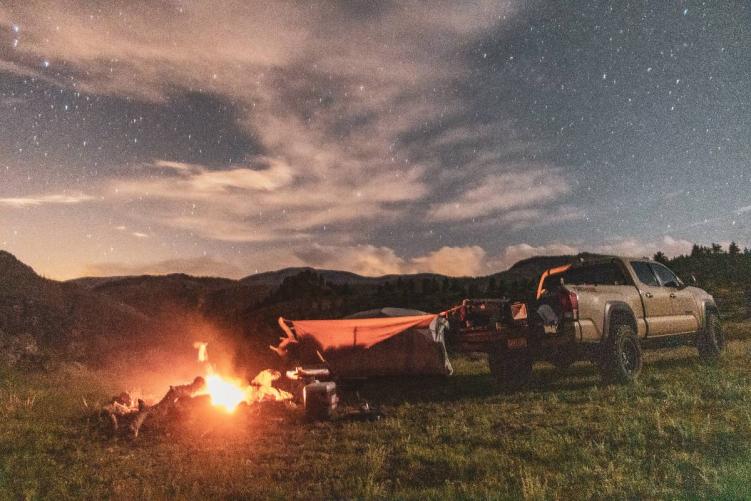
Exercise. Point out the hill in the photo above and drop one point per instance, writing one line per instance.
(154, 294)
(35, 311)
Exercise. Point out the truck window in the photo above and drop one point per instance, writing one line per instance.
(644, 273)
(666, 276)
(608, 273)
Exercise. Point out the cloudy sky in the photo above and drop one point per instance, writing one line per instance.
(229, 137)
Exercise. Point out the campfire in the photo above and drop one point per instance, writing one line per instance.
(225, 393)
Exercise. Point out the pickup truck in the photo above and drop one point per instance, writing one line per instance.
(604, 310)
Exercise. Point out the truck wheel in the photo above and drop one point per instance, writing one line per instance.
(511, 369)
(621, 358)
(711, 341)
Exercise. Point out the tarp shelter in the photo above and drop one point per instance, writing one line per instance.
(362, 347)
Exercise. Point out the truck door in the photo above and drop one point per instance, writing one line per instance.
(682, 305)
(656, 299)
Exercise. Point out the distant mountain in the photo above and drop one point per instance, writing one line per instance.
(153, 294)
(275, 278)
(523, 269)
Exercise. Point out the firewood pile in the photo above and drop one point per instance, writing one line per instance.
(127, 414)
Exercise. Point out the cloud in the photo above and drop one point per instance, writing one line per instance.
(530, 218)
(496, 193)
(266, 203)
(138, 234)
(35, 201)
(196, 266)
(200, 181)
(515, 253)
(633, 247)
(11, 101)
(365, 260)
(453, 261)
(330, 116)
(370, 260)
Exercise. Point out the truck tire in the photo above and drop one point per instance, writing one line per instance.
(621, 357)
(512, 369)
(711, 341)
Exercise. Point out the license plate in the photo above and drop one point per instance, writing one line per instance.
(517, 342)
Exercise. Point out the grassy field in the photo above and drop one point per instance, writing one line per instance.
(683, 432)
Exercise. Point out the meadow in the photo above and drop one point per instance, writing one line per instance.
(683, 431)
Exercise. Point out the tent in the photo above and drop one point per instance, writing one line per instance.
(387, 312)
(383, 344)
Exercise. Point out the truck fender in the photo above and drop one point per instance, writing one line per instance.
(708, 307)
(617, 308)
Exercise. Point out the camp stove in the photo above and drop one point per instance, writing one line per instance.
(312, 387)
(320, 400)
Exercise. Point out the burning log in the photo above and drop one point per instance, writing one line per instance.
(162, 407)
(125, 409)
(122, 405)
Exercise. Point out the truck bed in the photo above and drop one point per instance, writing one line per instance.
(481, 324)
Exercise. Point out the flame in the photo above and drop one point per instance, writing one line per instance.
(203, 355)
(228, 392)
(224, 393)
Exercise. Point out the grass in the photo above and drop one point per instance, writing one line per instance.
(684, 431)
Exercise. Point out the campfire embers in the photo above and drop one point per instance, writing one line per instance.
(222, 392)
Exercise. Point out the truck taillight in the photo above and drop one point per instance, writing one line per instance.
(569, 304)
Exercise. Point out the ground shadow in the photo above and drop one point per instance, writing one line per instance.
(398, 390)
(462, 387)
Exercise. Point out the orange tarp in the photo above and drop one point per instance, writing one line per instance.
(357, 332)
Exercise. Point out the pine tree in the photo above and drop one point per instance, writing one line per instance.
(660, 257)
(734, 250)
(491, 289)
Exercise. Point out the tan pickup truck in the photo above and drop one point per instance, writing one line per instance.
(604, 310)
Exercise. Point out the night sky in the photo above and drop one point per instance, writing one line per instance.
(230, 137)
